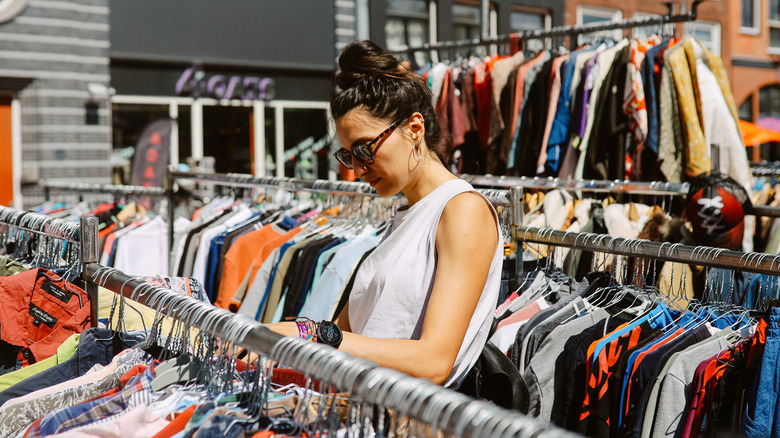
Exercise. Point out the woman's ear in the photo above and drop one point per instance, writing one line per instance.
(416, 126)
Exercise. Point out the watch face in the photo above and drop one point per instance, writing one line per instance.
(329, 333)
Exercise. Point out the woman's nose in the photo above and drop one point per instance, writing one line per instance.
(358, 167)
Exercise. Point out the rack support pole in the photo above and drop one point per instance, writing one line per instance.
(516, 217)
(89, 254)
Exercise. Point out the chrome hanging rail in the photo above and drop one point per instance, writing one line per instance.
(651, 20)
(600, 186)
(698, 255)
(111, 189)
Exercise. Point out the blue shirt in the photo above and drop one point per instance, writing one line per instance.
(647, 70)
(327, 291)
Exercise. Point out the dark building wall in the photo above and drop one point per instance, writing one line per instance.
(153, 42)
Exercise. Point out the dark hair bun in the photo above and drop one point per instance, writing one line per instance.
(361, 59)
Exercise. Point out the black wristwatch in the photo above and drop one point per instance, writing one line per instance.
(329, 333)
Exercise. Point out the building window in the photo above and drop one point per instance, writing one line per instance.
(644, 32)
(466, 24)
(708, 34)
(592, 14)
(751, 17)
(774, 27)
(465, 21)
(408, 24)
(524, 21)
(769, 117)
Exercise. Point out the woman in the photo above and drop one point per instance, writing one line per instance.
(423, 301)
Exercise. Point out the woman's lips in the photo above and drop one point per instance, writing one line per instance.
(372, 182)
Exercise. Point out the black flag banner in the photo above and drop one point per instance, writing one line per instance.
(152, 153)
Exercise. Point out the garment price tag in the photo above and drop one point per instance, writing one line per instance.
(59, 293)
(40, 316)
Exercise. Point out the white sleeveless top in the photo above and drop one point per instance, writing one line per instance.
(394, 283)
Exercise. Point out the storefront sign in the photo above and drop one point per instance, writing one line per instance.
(196, 83)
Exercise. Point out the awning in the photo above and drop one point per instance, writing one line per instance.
(754, 135)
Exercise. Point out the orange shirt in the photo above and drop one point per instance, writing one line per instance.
(238, 260)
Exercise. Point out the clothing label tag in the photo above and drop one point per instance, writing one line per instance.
(62, 294)
(40, 316)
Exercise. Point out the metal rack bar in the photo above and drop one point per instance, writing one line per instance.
(451, 411)
(557, 31)
(585, 185)
(699, 255)
(117, 190)
(40, 224)
(765, 171)
(348, 188)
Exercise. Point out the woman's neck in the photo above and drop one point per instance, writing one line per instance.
(431, 176)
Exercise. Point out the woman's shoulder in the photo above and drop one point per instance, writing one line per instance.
(468, 211)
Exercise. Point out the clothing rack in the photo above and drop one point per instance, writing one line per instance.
(83, 234)
(558, 31)
(111, 189)
(699, 255)
(420, 399)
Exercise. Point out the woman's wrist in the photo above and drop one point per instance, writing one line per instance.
(307, 329)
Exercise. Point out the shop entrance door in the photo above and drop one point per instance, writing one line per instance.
(6, 151)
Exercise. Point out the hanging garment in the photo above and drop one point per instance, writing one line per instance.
(40, 311)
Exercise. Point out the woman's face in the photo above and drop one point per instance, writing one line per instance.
(393, 164)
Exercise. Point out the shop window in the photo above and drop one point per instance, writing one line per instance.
(751, 17)
(708, 33)
(226, 137)
(306, 144)
(592, 14)
(408, 24)
(524, 21)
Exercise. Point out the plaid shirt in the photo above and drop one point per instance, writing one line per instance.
(137, 391)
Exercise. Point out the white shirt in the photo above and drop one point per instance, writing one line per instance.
(392, 287)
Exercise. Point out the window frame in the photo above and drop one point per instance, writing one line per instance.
(611, 14)
(755, 29)
(715, 31)
(546, 15)
(773, 24)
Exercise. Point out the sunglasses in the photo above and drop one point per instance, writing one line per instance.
(362, 152)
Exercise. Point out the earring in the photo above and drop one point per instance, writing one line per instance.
(417, 148)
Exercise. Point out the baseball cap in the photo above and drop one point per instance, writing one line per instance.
(716, 210)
